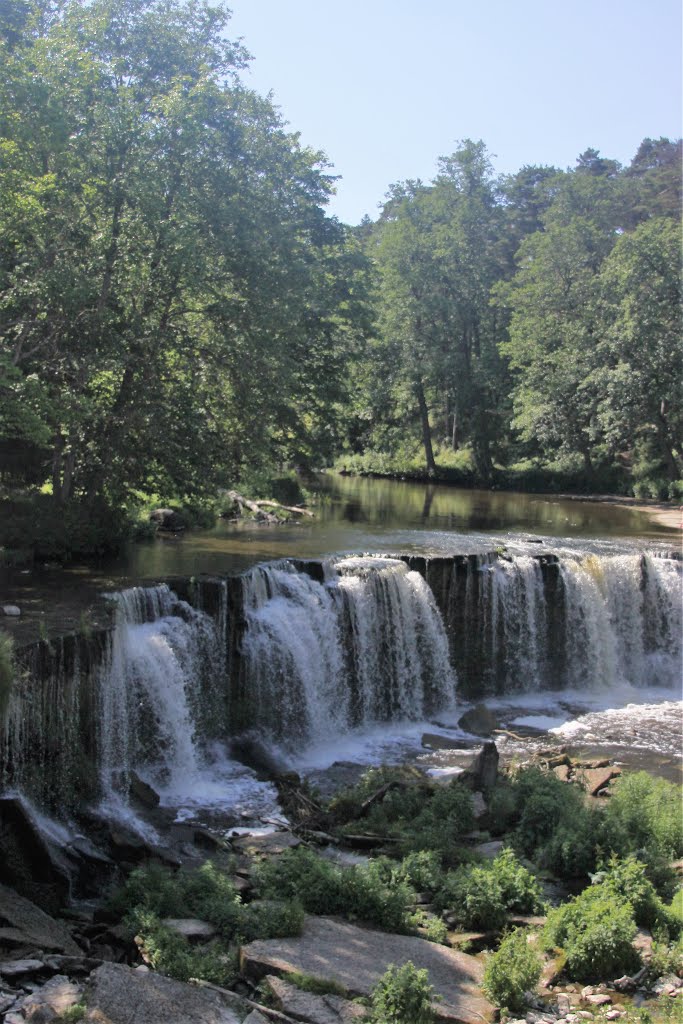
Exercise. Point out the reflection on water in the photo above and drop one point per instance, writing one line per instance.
(353, 514)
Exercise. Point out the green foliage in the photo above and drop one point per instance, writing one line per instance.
(173, 955)
(362, 893)
(643, 817)
(74, 1013)
(152, 892)
(595, 931)
(7, 672)
(628, 881)
(402, 996)
(552, 823)
(511, 972)
(484, 895)
(421, 870)
(317, 986)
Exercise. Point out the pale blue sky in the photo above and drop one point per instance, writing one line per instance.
(385, 87)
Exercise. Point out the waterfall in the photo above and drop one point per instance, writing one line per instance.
(365, 646)
(307, 651)
(163, 655)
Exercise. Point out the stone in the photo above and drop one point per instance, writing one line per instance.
(29, 863)
(624, 984)
(483, 771)
(191, 928)
(489, 851)
(143, 792)
(315, 1009)
(599, 999)
(357, 957)
(34, 926)
(613, 1014)
(11, 610)
(255, 1018)
(562, 772)
(437, 742)
(479, 805)
(595, 779)
(479, 721)
(57, 995)
(120, 994)
(563, 1003)
(643, 942)
(20, 968)
(168, 519)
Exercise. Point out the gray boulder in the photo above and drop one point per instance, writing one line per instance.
(479, 721)
(120, 994)
(25, 924)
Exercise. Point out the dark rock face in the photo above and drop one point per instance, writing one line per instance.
(168, 519)
(26, 925)
(28, 863)
(482, 773)
(479, 721)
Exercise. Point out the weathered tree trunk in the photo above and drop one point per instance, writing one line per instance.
(57, 451)
(426, 430)
(455, 439)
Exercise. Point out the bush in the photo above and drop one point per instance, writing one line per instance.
(595, 930)
(643, 817)
(421, 870)
(483, 896)
(171, 954)
(402, 996)
(364, 893)
(628, 881)
(511, 972)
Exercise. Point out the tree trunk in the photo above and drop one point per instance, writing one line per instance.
(426, 430)
(57, 451)
(455, 440)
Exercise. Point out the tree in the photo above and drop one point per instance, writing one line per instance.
(174, 303)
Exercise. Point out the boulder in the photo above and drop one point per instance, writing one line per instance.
(29, 862)
(483, 772)
(120, 994)
(595, 779)
(314, 1009)
(479, 721)
(51, 1000)
(32, 927)
(168, 519)
(266, 845)
(143, 792)
(11, 610)
(357, 957)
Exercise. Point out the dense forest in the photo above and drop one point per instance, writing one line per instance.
(178, 313)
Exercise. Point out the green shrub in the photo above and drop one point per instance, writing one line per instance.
(402, 996)
(482, 896)
(171, 954)
(643, 817)
(628, 881)
(441, 823)
(364, 893)
(595, 930)
(511, 972)
(421, 870)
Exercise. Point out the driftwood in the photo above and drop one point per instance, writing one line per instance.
(379, 795)
(257, 508)
(297, 510)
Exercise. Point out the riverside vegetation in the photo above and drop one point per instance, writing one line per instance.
(178, 313)
(426, 877)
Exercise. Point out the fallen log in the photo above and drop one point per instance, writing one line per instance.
(297, 510)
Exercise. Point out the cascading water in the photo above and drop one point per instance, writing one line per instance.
(163, 653)
(365, 646)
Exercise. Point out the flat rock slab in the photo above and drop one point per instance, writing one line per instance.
(31, 926)
(122, 995)
(191, 928)
(595, 779)
(59, 995)
(311, 1008)
(357, 957)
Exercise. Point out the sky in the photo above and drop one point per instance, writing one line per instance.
(385, 87)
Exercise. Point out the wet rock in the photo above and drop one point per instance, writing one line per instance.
(11, 610)
(29, 863)
(252, 751)
(479, 721)
(120, 994)
(437, 742)
(483, 772)
(32, 927)
(168, 519)
(315, 1009)
(143, 792)
(191, 928)
(356, 958)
